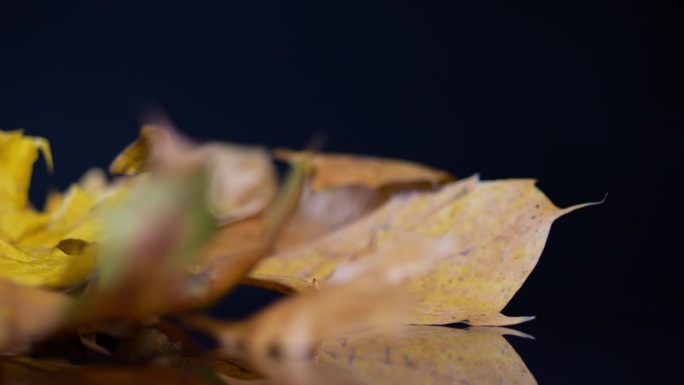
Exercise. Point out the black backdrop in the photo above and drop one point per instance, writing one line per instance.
(577, 94)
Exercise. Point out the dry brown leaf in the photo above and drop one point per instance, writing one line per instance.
(428, 355)
(343, 188)
(242, 178)
(235, 238)
(500, 228)
(335, 170)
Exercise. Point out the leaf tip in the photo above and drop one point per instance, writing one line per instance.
(583, 205)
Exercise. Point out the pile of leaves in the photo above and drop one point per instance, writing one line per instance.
(109, 282)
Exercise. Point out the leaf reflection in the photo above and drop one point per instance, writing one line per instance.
(408, 355)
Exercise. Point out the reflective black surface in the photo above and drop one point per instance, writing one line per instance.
(592, 352)
(585, 354)
(582, 95)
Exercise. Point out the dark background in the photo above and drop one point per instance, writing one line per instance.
(580, 95)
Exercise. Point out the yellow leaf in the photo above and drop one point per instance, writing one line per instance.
(14, 224)
(75, 214)
(500, 228)
(134, 159)
(49, 267)
(29, 240)
(95, 183)
(17, 155)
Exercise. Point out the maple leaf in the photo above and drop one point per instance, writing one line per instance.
(32, 248)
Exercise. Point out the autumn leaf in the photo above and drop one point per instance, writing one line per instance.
(31, 249)
(335, 170)
(343, 188)
(500, 228)
(17, 155)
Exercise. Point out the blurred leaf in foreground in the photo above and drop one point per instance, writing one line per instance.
(242, 179)
(28, 313)
(149, 259)
(151, 237)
